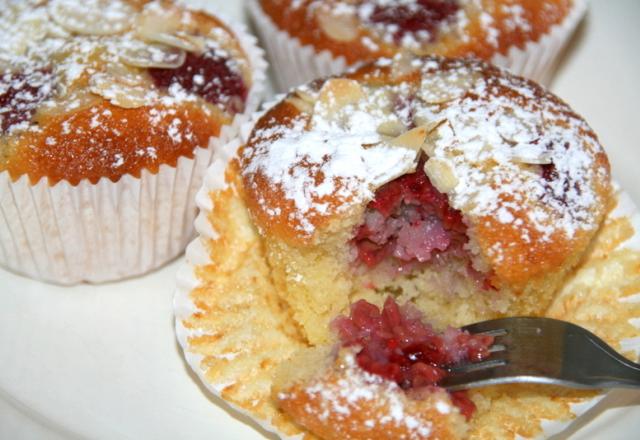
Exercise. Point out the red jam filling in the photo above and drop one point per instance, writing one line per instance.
(208, 75)
(412, 18)
(20, 95)
(397, 345)
(411, 221)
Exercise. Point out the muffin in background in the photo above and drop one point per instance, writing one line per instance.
(316, 38)
(110, 111)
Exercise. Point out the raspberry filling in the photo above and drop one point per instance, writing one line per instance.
(397, 345)
(20, 95)
(411, 221)
(420, 16)
(210, 76)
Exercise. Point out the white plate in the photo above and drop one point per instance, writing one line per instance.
(101, 362)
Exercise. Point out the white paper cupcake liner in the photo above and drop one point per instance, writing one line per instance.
(108, 231)
(197, 255)
(294, 64)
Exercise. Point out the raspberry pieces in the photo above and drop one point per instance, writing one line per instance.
(209, 75)
(20, 95)
(398, 346)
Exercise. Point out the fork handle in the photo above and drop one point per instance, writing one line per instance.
(603, 367)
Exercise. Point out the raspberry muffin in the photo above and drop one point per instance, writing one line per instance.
(366, 217)
(419, 177)
(316, 38)
(109, 111)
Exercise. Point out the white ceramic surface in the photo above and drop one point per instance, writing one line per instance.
(101, 362)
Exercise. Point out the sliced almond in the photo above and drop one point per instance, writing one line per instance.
(301, 104)
(35, 27)
(337, 93)
(119, 93)
(54, 30)
(441, 174)
(165, 26)
(392, 128)
(530, 156)
(92, 17)
(180, 40)
(412, 139)
(306, 96)
(402, 65)
(339, 27)
(439, 132)
(154, 20)
(124, 75)
(152, 55)
(442, 87)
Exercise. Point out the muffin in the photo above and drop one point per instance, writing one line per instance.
(445, 182)
(378, 211)
(316, 38)
(109, 113)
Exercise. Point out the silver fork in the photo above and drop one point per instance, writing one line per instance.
(544, 351)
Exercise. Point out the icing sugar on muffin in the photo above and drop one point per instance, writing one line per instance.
(99, 90)
(448, 183)
(367, 215)
(524, 36)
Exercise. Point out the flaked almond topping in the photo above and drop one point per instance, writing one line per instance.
(305, 96)
(438, 131)
(119, 93)
(403, 64)
(35, 27)
(521, 155)
(123, 75)
(180, 40)
(338, 93)
(163, 26)
(301, 104)
(303, 100)
(153, 55)
(339, 27)
(441, 174)
(441, 87)
(92, 17)
(412, 139)
(392, 128)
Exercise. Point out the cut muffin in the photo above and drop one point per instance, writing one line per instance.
(259, 309)
(315, 38)
(447, 183)
(107, 112)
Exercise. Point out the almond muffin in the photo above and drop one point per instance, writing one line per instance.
(315, 38)
(107, 112)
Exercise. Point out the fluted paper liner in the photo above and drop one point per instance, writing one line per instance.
(108, 231)
(294, 64)
(231, 341)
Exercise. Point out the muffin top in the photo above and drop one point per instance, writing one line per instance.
(98, 88)
(527, 174)
(366, 29)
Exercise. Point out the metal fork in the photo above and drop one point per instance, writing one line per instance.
(544, 351)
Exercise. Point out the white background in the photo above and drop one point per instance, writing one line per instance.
(101, 362)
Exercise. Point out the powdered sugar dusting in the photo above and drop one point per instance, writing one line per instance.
(63, 54)
(502, 135)
(342, 146)
(505, 148)
(416, 24)
(351, 393)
